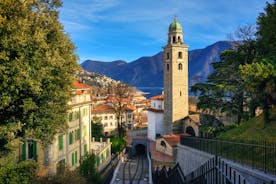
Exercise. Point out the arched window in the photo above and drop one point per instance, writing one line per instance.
(168, 67)
(174, 40)
(179, 55)
(168, 55)
(180, 93)
(163, 144)
(179, 66)
(179, 39)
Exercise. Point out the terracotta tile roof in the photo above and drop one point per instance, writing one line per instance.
(159, 97)
(102, 108)
(194, 117)
(155, 110)
(173, 139)
(130, 107)
(78, 85)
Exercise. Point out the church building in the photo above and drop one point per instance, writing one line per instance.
(169, 118)
(175, 79)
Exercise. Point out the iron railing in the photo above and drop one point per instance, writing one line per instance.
(215, 171)
(260, 155)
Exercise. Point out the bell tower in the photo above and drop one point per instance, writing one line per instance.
(175, 78)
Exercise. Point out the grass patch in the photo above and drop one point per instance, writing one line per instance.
(254, 129)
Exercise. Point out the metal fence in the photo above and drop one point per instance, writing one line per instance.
(215, 171)
(260, 155)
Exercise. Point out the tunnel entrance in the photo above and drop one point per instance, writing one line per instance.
(190, 131)
(140, 149)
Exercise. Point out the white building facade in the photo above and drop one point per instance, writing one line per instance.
(156, 117)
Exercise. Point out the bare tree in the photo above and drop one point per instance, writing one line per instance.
(119, 97)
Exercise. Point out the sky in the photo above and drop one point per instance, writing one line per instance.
(108, 30)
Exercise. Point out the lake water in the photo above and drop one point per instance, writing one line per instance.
(151, 91)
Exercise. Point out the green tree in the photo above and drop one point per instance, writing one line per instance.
(97, 127)
(37, 63)
(23, 172)
(259, 77)
(88, 170)
(266, 24)
(260, 81)
(224, 90)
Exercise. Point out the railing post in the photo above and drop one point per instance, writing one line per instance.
(216, 168)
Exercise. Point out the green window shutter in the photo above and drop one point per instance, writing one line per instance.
(35, 151)
(70, 138)
(60, 142)
(76, 156)
(24, 150)
(73, 159)
(85, 149)
(98, 160)
(70, 116)
(78, 134)
(107, 153)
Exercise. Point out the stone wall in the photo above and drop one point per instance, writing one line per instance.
(190, 159)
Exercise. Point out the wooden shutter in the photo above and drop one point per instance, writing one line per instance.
(73, 159)
(24, 151)
(60, 142)
(70, 138)
(34, 150)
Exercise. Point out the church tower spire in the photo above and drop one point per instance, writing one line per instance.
(175, 78)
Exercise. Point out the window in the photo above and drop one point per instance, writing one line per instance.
(107, 153)
(73, 159)
(102, 157)
(85, 149)
(179, 66)
(168, 55)
(180, 93)
(98, 161)
(75, 135)
(78, 134)
(29, 150)
(76, 156)
(174, 39)
(163, 144)
(179, 55)
(105, 118)
(70, 138)
(110, 117)
(111, 124)
(105, 124)
(168, 67)
(60, 142)
(179, 39)
(70, 116)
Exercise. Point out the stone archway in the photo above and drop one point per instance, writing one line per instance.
(139, 146)
(140, 149)
(191, 127)
(191, 131)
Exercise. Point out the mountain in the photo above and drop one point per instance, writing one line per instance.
(148, 71)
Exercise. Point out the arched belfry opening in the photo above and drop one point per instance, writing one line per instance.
(190, 131)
